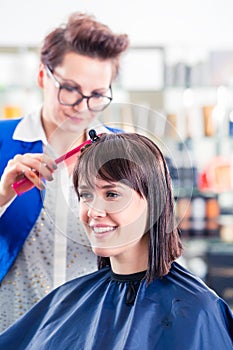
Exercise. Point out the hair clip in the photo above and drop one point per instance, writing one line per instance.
(93, 136)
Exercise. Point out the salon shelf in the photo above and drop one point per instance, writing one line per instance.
(18, 89)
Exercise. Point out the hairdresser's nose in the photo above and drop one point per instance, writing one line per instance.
(81, 106)
(96, 209)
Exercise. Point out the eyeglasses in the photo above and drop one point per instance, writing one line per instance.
(71, 96)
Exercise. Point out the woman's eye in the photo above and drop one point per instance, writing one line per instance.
(112, 195)
(85, 196)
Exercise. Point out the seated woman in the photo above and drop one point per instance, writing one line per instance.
(140, 298)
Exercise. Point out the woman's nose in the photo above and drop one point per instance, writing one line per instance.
(96, 209)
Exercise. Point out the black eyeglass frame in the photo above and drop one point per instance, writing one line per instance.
(60, 86)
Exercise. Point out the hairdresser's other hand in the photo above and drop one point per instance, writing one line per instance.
(33, 166)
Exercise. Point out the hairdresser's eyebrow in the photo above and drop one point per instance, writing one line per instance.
(100, 90)
(68, 81)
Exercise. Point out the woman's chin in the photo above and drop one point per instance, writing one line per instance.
(103, 252)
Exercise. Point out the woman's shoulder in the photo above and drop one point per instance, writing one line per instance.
(184, 285)
(182, 293)
(185, 280)
(87, 282)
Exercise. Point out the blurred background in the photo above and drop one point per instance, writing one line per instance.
(175, 85)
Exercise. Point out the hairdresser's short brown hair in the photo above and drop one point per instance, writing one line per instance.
(84, 35)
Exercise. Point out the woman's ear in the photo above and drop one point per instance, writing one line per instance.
(41, 75)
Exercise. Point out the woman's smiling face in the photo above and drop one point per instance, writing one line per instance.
(114, 216)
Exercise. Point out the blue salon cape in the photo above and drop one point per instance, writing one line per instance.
(177, 312)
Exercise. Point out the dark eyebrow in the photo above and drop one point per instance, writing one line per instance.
(109, 186)
(84, 187)
(69, 81)
(74, 84)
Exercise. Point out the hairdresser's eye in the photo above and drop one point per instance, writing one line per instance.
(69, 88)
(85, 196)
(96, 95)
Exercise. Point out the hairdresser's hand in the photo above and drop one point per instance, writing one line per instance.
(33, 166)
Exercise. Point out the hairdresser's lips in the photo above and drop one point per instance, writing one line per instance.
(74, 118)
(102, 231)
(84, 116)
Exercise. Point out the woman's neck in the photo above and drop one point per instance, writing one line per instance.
(132, 260)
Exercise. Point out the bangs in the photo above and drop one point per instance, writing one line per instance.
(112, 162)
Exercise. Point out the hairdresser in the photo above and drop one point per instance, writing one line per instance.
(78, 62)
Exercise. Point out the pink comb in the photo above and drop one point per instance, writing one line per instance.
(25, 184)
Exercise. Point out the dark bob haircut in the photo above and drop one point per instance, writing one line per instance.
(139, 163)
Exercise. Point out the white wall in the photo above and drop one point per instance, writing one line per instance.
(199, 23)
